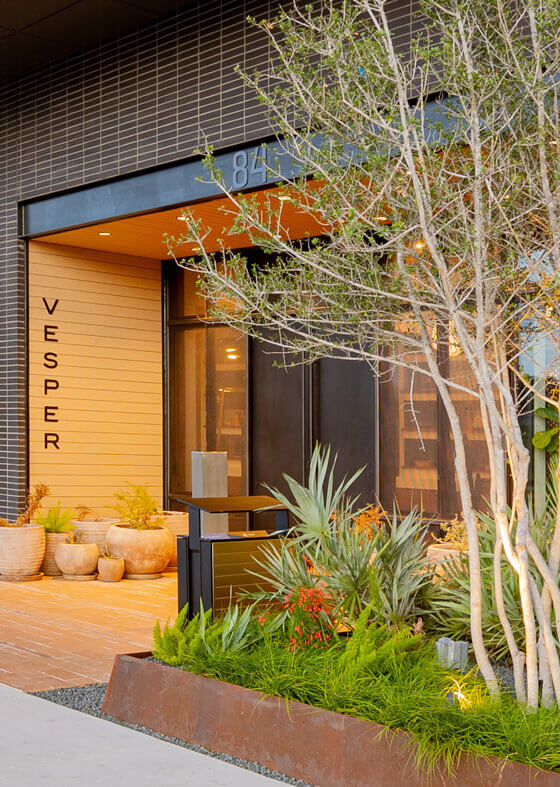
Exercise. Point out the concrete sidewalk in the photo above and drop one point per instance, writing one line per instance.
(47, 745)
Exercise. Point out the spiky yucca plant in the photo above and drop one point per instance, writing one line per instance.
(56, 520)
(386, 566)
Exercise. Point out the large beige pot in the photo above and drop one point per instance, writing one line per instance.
(94, 531)
(21, 551)
(177, 523)
(48, 566)
(111, 569)
(441, 554)
(76, 560)
(146, 552)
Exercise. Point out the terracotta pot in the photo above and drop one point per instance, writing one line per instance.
(76, 559)
(442, 554)
(21, 551)
(111, 569)
(146, 552)
(94, 531)
(48, 566)
(177, 522)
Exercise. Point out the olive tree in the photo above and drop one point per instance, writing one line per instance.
(433, 174)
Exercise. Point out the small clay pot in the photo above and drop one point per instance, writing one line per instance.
(76, 560)
(111, 569)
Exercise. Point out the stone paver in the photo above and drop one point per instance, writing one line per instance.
(45, 744)
(55, 633)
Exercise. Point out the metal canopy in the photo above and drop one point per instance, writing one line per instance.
(34, 32)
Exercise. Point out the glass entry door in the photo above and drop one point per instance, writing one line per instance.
(207, 389)
(207, 402)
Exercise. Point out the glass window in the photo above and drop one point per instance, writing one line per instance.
(184, 297)
(207, 402)
(416, 451)
(408, 440)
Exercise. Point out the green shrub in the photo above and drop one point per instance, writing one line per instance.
(385, 565)
(138, 508)
(386, 675)
(450, 607)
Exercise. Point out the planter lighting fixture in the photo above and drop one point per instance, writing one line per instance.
(104, 234)
(456, 696)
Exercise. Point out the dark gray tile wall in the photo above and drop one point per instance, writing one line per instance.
(148, 97)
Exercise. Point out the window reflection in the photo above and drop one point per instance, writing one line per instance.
(207, 402)
(416, 447)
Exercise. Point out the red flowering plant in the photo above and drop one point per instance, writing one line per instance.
(308, 622)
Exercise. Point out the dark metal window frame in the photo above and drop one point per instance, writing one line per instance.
(310, 403)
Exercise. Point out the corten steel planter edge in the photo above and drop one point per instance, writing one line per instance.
(325, 748)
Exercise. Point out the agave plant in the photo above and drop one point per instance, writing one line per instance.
(384, 567)
(401, 579)
(451, 608)
(316, 506)
(56, 520)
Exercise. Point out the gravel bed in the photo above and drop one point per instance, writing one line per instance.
(89, 699)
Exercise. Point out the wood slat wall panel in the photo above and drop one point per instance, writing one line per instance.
(109, 355)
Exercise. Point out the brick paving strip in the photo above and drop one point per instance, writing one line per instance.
(56, 633)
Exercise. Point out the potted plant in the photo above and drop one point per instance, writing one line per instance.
(57, 525)
(449, 546)
(91, 527)
(22, 544)
(140, 538)
(77, 561)
(110, 568)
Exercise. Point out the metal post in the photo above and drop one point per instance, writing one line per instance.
(182, 571)
(282, 521)
(193, 558)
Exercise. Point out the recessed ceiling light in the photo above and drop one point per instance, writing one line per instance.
(419, 245)
(196, 248)
(104, 234)
(381, 218)
(181, 218)
(232, 356)
(230, 349)
(284, 198)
